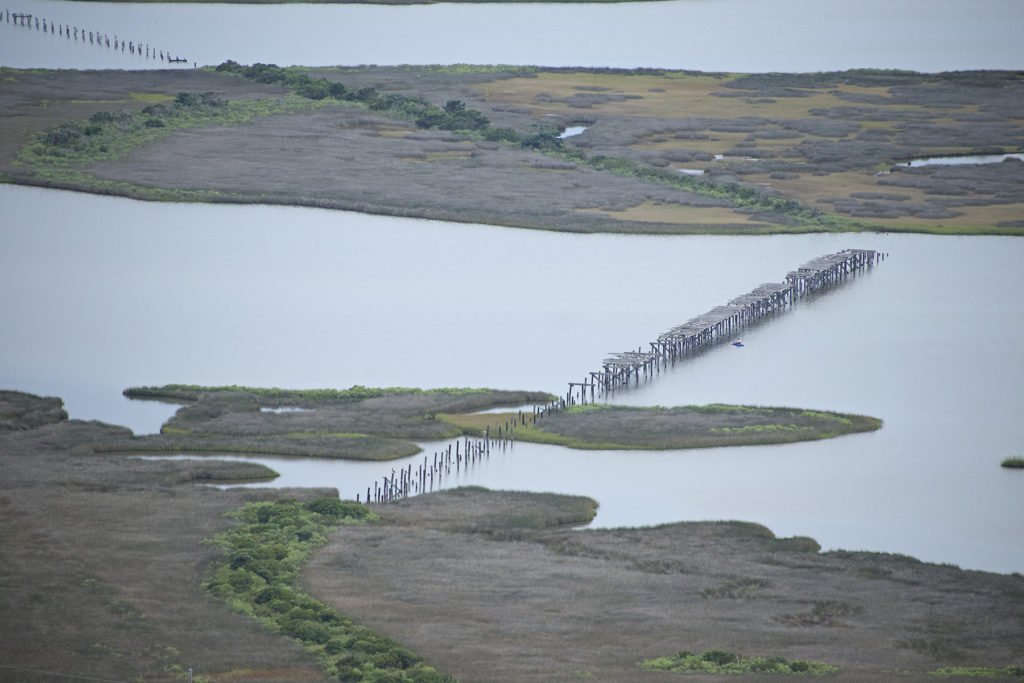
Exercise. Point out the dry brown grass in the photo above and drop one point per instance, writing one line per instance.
(673, 214)
(339, 156)
(558, 605)
(103, 560)
(675, 95)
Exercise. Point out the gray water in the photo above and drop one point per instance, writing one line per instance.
(967, 159)
(706, 35)
(102, 293)
(98, 294)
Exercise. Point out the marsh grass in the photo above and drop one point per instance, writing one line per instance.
(801, 151)
(719, 662)
(827, 613)
(112, 135)
(359, 423)
(103, 563)
(533, 604)
(259, 578)
(620, 427)
(1006, 672)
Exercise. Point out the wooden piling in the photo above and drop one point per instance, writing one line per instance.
(724, 322)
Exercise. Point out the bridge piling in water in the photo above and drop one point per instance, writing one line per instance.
(724, 322)
(719, 324)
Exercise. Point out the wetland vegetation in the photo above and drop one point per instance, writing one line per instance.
(465, 583)
(663, 151)
(364, 423)
(597, 426)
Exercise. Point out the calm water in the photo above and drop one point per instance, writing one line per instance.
(98, 294)
(127, 293)
(956, 161)
(706, 35)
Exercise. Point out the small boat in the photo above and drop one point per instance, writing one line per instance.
(738, 342)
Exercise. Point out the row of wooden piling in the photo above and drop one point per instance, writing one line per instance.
(717, 325)
(431, 473)
(467, 452)
(723, 322)
(93, 37)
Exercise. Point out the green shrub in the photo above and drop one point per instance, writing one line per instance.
(1013, 462)
(347, 673)
(309, 631)
(338, 509)
(721, 662)
(270, 593)
(719, 657)
(63, 135)
(428, 675)
(395, 658)
(258, 576)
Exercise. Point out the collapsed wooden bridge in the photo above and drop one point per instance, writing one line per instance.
(717, 325)
(724, 322)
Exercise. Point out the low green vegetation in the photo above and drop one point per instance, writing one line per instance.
(1006, 672)
(597, 426)
(1013, 462)
(55, 157)
(719, 662)
(359, 423)
(110, 135)
(454, 116)
(188, 393)
(259, 577)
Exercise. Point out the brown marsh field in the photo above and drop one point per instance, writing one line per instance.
(104, 557)
(835, 144)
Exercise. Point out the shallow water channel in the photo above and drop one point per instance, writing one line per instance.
(964, 160)
(125, 293)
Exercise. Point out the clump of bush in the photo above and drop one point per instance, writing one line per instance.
(1013, 462)
(453, 116)
(107, 132)
(258, 577)
(722, 662)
